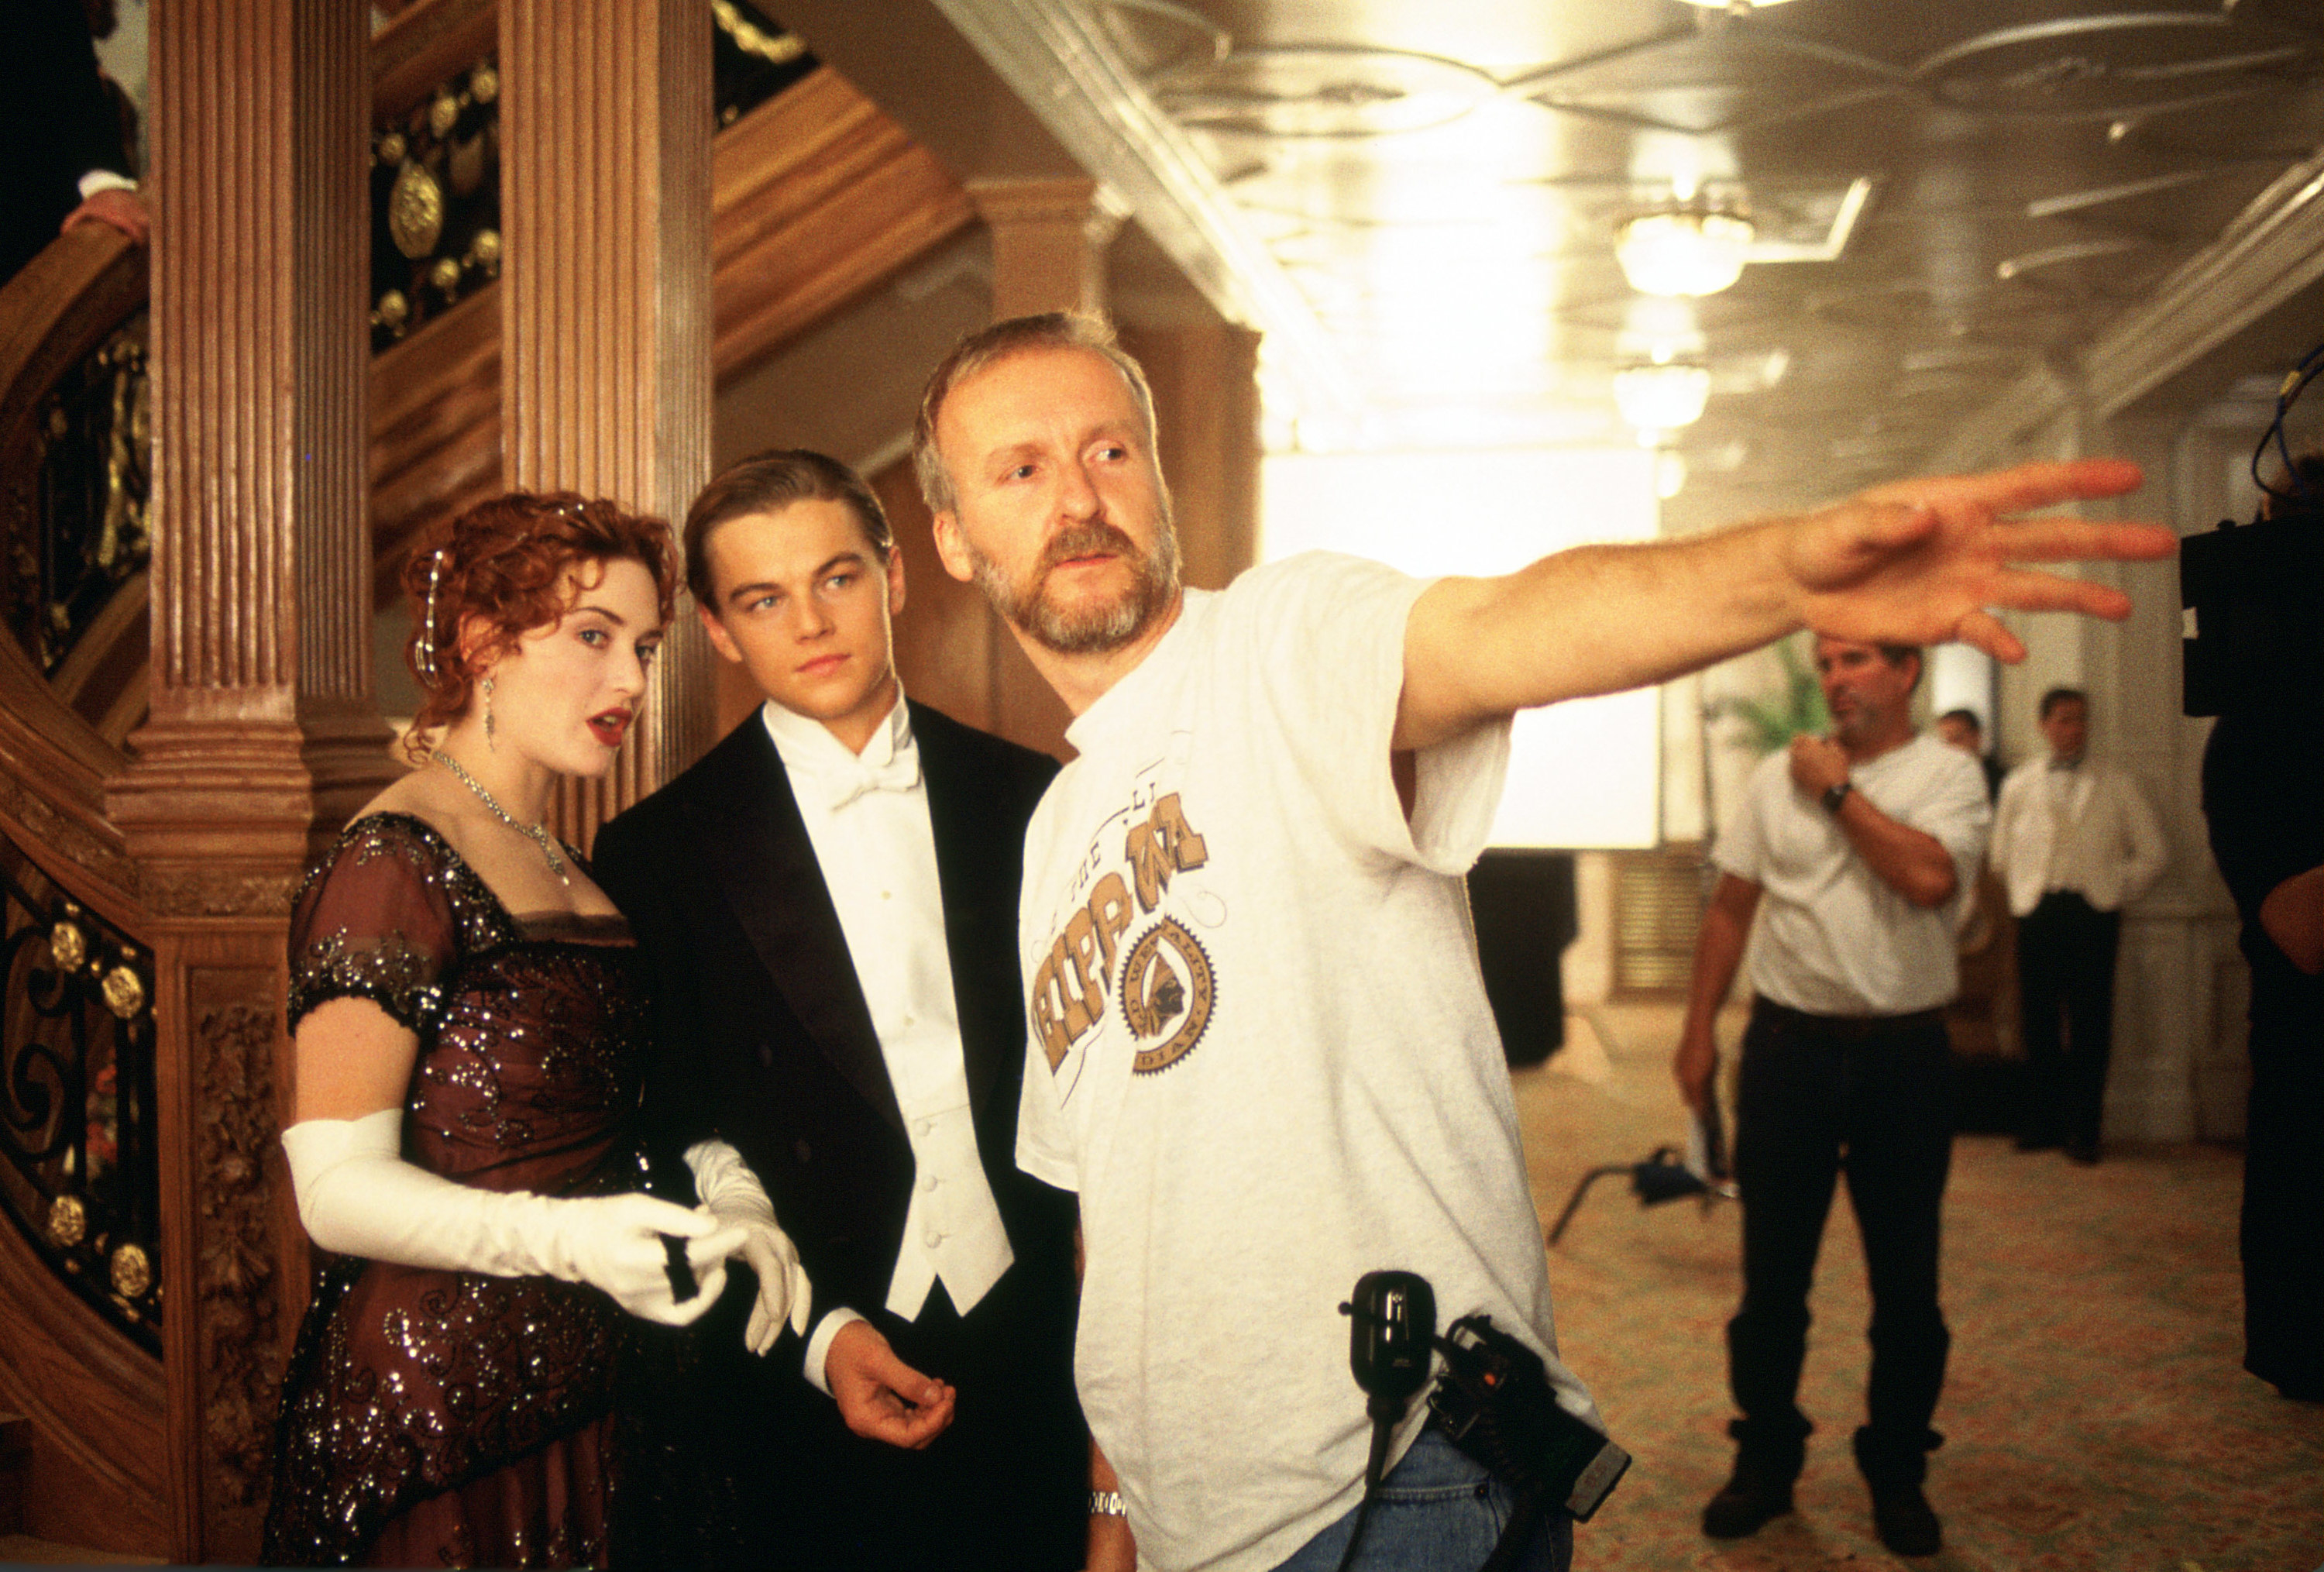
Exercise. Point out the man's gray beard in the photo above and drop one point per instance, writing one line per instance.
(1096, 630)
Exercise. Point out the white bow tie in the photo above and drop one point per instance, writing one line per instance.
(901, 772)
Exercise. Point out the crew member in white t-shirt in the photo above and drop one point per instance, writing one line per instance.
(1261, 1053)
(1855, 851)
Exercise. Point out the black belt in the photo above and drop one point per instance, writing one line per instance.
(1851, 1027)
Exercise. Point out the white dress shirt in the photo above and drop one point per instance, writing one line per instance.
(867, 818)
(2085, 827)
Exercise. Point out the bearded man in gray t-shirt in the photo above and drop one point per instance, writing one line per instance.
(1036, 448)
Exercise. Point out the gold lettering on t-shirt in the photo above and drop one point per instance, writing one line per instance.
(1074, 981)
(1047, 1023)
(1164, 844)
(1110, 904)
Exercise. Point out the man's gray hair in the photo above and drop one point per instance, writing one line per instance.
(1017, 336)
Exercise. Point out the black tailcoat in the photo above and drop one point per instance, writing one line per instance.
(764, 1039)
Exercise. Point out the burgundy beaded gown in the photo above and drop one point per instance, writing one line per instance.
(449, 1419)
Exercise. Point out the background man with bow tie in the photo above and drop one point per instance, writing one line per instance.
(827, 902)
(2075, 842)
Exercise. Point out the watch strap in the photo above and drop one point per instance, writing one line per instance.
(1107, 1504)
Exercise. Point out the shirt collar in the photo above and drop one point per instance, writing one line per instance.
(805, 743)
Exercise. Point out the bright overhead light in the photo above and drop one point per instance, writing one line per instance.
(1741, 7)
(1662, 398)
(1684, 253)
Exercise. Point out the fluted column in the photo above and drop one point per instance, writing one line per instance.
(263, 736)
(606, 370)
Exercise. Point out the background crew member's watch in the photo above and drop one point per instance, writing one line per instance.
(1833, 796)
(1107, 1504)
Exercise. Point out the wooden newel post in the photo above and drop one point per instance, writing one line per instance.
(606, 367)
(263, 736)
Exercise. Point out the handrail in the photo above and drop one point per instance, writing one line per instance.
(81, 1272)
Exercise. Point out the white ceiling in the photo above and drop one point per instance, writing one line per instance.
(1418, 199)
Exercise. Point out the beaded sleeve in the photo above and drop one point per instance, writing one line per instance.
(377, 920)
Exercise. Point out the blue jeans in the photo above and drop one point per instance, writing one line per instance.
(1438, 1512)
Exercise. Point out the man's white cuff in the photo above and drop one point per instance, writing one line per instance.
(818, 1347)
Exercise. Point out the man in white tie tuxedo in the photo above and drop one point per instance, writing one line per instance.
(826, 903)
(2074, 842)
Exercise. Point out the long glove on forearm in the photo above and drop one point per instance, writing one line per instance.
(358, 1197)
(735, 1196)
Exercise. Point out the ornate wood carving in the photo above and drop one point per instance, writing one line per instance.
(235, 1036)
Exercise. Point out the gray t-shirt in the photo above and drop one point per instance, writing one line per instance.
(1833, 937)
(1263, 1055)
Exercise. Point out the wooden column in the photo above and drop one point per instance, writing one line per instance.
(1050, 239)
(605, 369)
(1205, 381)
(1048, 243)
(262, 736)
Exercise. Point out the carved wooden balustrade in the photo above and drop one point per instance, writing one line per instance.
(82, 1271)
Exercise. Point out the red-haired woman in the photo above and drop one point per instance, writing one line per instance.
(471, 1038)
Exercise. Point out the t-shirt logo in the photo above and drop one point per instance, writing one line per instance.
(1163, 979)
(1166, 991)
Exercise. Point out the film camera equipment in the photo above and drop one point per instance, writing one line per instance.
(2253, 595)
(1493, 1401)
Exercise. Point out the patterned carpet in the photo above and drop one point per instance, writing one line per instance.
(2097, 1411)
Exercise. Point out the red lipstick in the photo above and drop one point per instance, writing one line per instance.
(611, 727)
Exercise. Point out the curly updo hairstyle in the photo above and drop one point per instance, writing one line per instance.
(503, 563)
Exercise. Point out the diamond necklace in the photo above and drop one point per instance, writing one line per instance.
(538, 836)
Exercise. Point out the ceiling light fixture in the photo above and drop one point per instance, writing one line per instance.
(1683, 251)
(1662, 398)
(1739, 7)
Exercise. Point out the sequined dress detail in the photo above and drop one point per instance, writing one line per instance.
(443, 1418)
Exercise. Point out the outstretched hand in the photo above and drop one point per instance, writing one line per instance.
(1928, 561)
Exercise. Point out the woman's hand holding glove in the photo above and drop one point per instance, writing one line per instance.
(358, 1197)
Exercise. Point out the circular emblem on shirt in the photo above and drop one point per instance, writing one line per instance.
(1166, 994)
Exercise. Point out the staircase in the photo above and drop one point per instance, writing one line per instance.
(818, 198)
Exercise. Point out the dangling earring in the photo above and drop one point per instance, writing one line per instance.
(487, 690)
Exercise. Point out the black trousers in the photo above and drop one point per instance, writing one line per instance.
(2065, 976)
(1822, 1097)
(732, 1461)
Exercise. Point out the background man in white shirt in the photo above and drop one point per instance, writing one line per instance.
(1854, 851)
(826, 901)
(1171, 989)
(2075, 842)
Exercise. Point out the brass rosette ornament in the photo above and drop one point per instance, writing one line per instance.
(79, 1171)
(435, 203)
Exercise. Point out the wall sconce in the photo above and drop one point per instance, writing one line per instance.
(1683, 252)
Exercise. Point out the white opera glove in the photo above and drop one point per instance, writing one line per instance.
(358, 1197)
(734, 1196)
